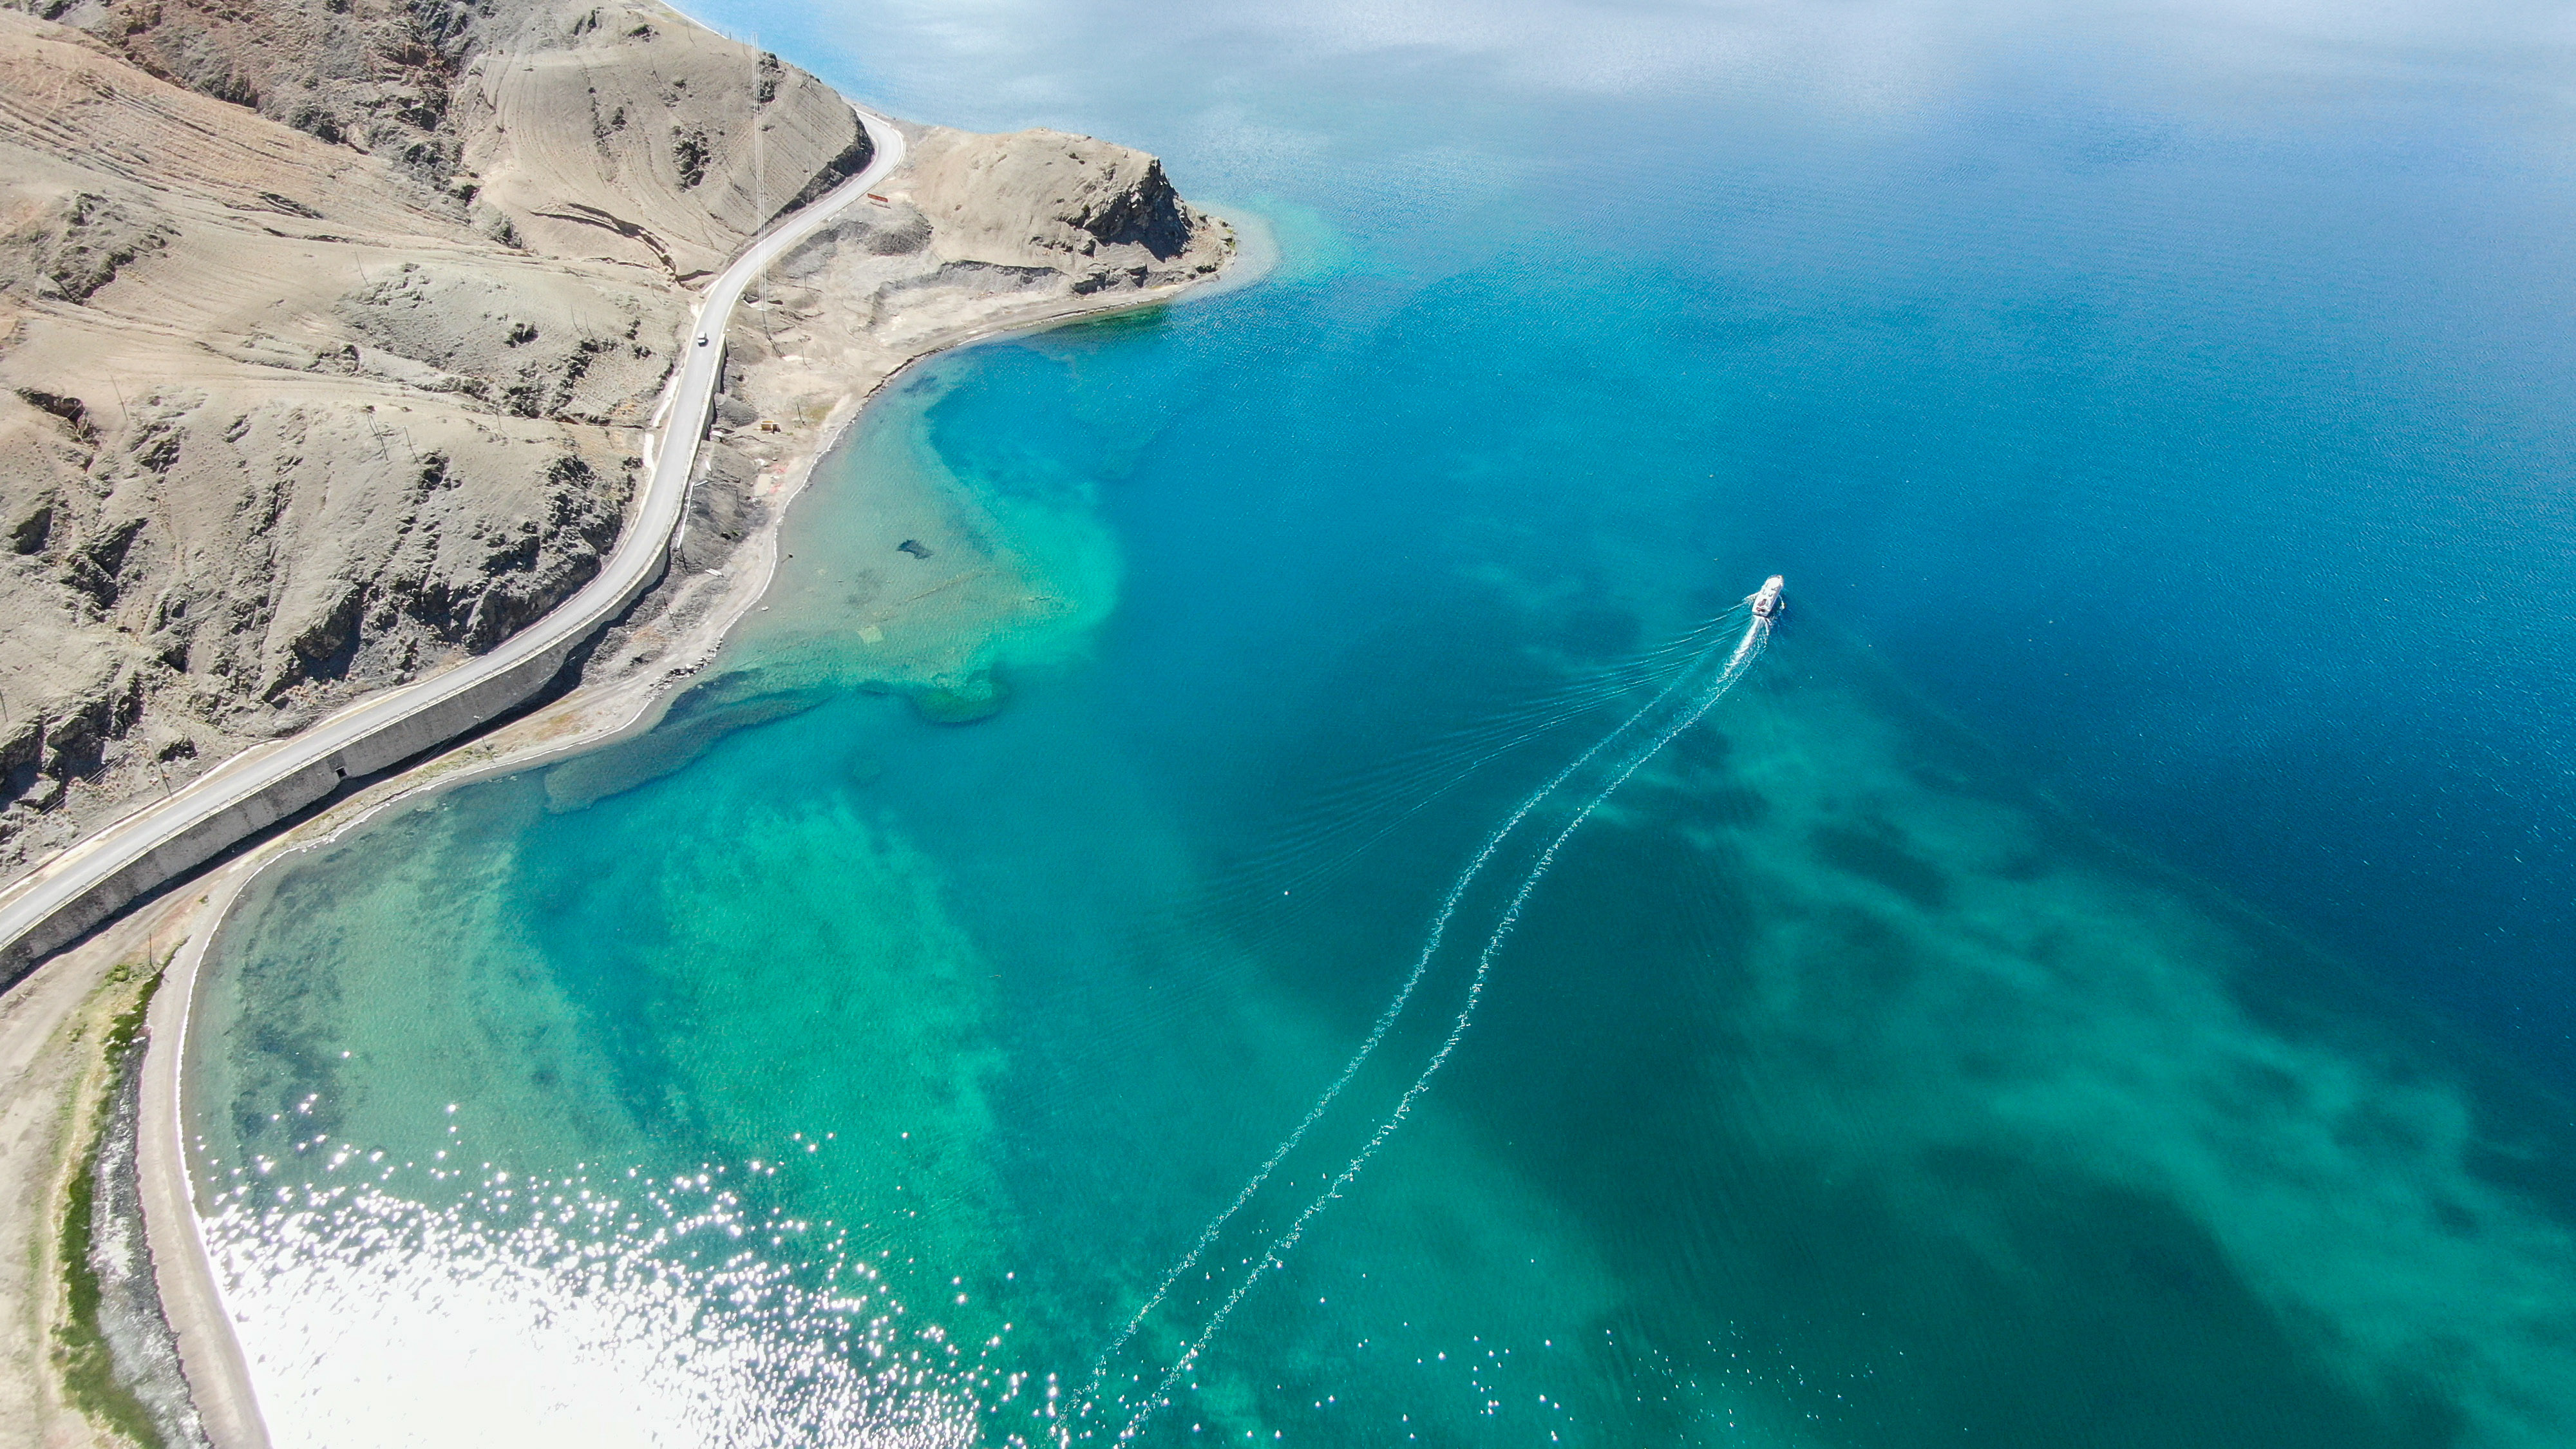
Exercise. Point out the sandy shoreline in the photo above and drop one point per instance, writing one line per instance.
(593, 713)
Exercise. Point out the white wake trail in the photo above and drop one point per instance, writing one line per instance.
(1377, 1033)
(1412, 773)
(1748, 648)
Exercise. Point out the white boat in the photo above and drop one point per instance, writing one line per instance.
(1766, 600)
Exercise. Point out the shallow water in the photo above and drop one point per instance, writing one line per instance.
(2098, 979)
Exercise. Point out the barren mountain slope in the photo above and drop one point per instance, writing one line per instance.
(331, 369)
(278, 419)
(625, 131)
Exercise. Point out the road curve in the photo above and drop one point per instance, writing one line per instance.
(98, 876)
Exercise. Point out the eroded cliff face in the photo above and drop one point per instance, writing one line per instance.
(1103, 213)
(328, 331)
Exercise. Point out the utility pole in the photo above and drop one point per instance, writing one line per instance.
(760, 189)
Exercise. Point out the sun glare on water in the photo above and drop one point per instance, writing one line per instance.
(604, 1309)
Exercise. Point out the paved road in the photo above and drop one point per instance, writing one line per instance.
(250, 791)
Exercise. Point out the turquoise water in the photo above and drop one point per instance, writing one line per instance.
(2097, 977)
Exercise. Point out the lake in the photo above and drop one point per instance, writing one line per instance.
(1414, 961)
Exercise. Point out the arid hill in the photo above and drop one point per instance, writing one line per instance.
(328, 329)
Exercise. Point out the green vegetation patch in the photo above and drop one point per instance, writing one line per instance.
(81, 1356)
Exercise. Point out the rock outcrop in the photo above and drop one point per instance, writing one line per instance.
(1103, 213)
(328, 329)
(973, 229)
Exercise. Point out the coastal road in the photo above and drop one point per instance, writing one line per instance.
(253, 790)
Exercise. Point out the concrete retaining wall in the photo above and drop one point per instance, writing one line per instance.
(398, 740)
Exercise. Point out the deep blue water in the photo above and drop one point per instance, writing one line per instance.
(2177, 394)
(2101, 979)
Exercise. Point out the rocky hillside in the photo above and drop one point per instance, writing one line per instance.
(327, 331)
(974, 230)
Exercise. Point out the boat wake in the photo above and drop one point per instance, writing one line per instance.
(1682, 702)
